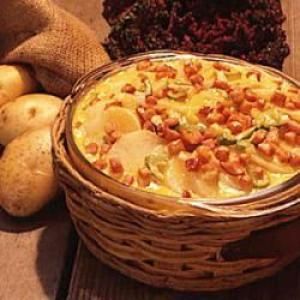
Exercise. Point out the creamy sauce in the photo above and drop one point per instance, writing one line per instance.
(191, 128)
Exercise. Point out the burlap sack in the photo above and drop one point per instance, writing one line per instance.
(59, 47)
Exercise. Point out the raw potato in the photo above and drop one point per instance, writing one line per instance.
(27, 180)
(15, 81)
(27, 113)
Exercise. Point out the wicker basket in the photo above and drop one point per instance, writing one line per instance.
(178, 249)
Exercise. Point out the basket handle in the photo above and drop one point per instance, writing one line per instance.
(275, 242)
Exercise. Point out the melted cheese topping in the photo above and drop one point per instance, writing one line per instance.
(191, 128)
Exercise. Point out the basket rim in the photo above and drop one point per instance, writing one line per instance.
(110, 67)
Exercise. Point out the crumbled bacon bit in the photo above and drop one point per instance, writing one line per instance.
(215, 117)
(221, 67)
(191, 69)
(175, 147)
(293, 126)
(246, 107)
(227, 112)
(149, 126)
(237, 95)
(171, 122)
(222, 85)
(100, 164)
(144, 65)
(196, 79)
(145, 114)
(209, 134)
(104, 148)
(210, 143)
(297, 102)
(245, 182)
(204, 154)
(250, 96)
(273, 136)
(290, 104)
(222, 153)
(92, 148)
(260, 104)
(245, 158)
(295, 160)
(161, 110)
(149, 113)
(258, 172)
(128, 180)
(282, 155)
(191, 137)
(128, 88)
(151, 100)
(192, 164)
(235, 127)
(170, 134)
(116, 166)
(112, 137)
(205, 111)
(266, 149)
(213, 166)
(234, 168)
(258, 137)
(165, 71)
(290, 137)
(144, 177)
(159, 94)
(278, 98)
(186, 194)
(163, 68)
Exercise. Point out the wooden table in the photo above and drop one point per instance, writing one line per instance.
(40, 258)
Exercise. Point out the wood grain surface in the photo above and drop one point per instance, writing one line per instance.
(92, 280)
(33, 254)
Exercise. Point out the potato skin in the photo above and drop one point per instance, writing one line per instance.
(27, 179)
(15, 81)
(25, 113)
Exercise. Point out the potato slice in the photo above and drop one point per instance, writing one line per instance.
(269, 165)
(124, 120)
(293, 114)
(229, 187)
(289, 148)
(179, 179)
(132, 148)
(94, 121)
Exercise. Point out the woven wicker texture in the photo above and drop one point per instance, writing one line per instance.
(181, 252)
